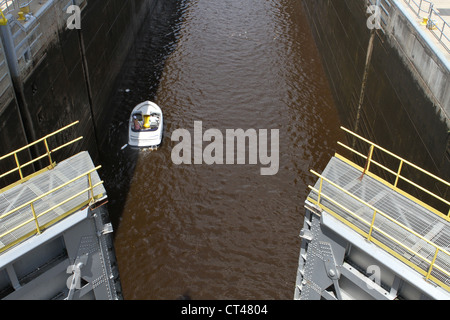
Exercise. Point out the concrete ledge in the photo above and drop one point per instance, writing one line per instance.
(428, 63)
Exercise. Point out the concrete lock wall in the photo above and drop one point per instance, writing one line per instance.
(60, 74)
(406, 101)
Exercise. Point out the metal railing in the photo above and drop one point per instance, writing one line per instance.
(30, 207)
(436, 269)
(36, 215)
(398, 173)
(8, 6)
(424, 9)
(48, 153)
(375, 234)
(420, 6)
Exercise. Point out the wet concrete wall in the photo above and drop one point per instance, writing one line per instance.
(12, 132)
(397, 112)
(64, 75)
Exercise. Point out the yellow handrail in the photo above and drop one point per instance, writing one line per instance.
(372, 227)
(397, 174)
(3, 20)
(36, 216)
(48, 153)
(31, 206)
(48, 193)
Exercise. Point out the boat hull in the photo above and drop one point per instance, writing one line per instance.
(146, 136)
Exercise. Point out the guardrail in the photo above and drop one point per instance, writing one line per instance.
(419, 6)
(35, 215)
(436, 269)
(48, 153)
(25, 214)
(377, 239)
(8, 6)
(397, 174)
(424, 9)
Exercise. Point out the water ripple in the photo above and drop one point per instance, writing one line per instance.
(222, 231)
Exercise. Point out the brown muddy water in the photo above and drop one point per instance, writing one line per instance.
(218, 231)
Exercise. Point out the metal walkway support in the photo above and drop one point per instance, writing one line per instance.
(55, 234)
(365, 238)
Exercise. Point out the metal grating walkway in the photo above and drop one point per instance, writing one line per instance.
(56, 202)
(409, 231)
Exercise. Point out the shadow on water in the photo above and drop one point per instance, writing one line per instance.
(139, 80)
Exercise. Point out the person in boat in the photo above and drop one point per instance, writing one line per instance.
(137, 125)
(153, 118)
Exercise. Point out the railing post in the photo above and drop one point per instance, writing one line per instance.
(18, 165)
(90, 187)
(430, 22)
(48, 151)
(369, 238)
(370, 157)
(35, 218)
(320, 190)
(398, 173)
(432, 264)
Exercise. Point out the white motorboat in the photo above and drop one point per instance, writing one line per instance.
(146, 126)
